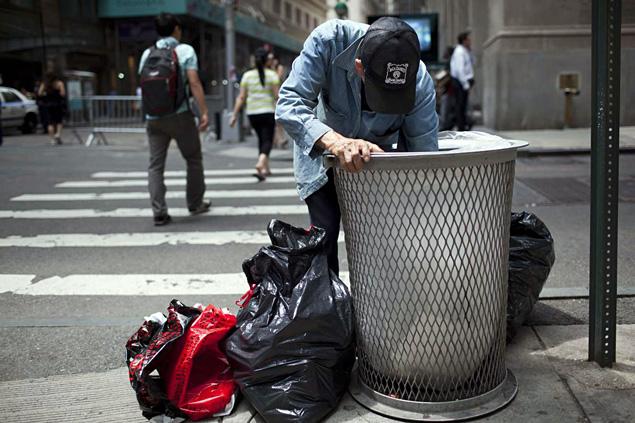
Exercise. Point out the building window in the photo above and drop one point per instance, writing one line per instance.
(287, 10)
(307, 21)
(298, 17)
(10, 97)
(277, 7)
(315, 22)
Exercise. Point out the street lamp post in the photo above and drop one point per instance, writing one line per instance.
(229, 134)
(43, 37)
(230, 48)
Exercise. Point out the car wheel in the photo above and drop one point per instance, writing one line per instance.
(30, 124)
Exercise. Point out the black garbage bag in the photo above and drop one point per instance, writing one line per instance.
(531, 256)
(293, 347)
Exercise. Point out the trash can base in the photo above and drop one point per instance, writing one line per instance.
(470, 408)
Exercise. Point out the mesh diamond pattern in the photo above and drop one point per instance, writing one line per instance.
(427, 252)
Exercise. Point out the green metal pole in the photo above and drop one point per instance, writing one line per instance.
(606, 29)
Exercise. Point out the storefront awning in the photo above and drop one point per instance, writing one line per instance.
(201, 9)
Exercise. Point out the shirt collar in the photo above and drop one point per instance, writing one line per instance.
(346, 59)
(167, 42)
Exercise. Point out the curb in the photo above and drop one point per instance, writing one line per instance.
(565, 151)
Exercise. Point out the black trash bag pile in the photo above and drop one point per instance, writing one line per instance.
(531, 256)
(293, 348)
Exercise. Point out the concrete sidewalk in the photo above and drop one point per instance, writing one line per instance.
(564, 141)
(556, 384)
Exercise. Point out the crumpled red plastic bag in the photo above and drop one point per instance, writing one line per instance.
(194, 378)
(197, 375)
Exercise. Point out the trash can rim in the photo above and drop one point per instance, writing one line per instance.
(451, 153)
(448, 147)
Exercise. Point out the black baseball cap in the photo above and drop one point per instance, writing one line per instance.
(390, 55)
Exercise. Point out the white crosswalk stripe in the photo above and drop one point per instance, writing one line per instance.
(143, 239)
(146, 212)
(285, 202)
(13, 283)
(139, 239)
(114, 284)
(130, 284)
(182, 173)
(108, 196)
(174, 182)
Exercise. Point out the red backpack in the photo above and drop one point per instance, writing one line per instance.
(162, 85)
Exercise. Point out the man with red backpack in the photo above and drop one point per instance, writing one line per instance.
(168, 73)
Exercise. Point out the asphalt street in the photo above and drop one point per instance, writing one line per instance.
(74, 288)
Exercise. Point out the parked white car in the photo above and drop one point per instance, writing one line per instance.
(18, 111)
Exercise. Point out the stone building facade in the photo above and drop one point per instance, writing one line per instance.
(521, 47)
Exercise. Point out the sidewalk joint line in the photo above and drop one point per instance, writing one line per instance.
(562, 378)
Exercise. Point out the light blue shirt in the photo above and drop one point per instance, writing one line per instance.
(187, 60)
(323, 92)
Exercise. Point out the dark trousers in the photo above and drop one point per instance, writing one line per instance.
(43, 118)
(447, 112)
(324, 211)
(265, 125)
(183, 129)
(461, 98)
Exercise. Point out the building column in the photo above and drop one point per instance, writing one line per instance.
(357, 10)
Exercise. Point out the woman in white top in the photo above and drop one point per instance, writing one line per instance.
(259, 89)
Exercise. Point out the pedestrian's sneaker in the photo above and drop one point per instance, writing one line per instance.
(162, 220)
(202, 208)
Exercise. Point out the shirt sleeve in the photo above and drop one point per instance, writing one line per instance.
(189, 59)
(275, 79)
(243, 81)
(461, 67)
(142, 61)
(298, 96)
(468, 69)
(421, 125)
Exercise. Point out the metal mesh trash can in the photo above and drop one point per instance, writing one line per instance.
(427, 240)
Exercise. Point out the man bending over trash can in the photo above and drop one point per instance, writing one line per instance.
(354, 90)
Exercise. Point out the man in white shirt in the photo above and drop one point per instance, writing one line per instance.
(462, 72)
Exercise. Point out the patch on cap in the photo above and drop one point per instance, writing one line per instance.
(396, 73)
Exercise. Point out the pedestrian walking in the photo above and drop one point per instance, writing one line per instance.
(354, 90)
(52, 96)
(462, 71)
(169, 73)
(259, 89)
